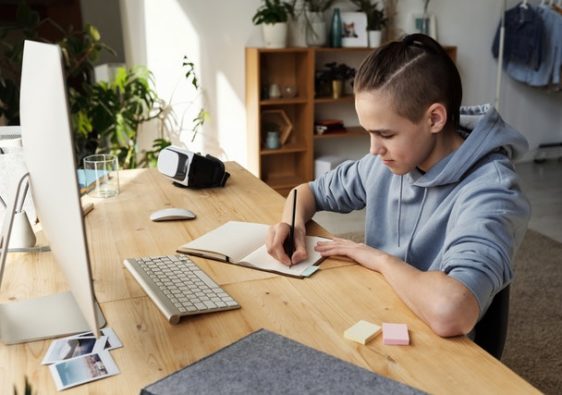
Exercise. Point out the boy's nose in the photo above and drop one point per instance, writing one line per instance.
(376, 147)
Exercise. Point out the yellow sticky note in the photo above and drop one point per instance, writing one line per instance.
(362, 332)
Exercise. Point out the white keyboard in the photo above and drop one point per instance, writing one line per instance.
(178, 286)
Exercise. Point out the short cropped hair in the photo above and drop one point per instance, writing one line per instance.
(416, 72)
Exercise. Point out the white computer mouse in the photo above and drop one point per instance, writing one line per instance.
(172, 214)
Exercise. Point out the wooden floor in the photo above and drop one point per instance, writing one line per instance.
(542, 184)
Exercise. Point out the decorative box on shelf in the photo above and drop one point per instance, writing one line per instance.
(277, 119)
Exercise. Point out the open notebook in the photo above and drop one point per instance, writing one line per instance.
(243, 243)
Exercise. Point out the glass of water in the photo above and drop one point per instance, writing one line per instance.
(101, 173)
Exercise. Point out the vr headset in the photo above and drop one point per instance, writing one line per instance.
(188, 169)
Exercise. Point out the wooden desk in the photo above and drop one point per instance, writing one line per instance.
(313, 311)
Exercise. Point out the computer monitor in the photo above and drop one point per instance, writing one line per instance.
(49, 156)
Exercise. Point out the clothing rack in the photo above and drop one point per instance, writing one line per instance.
(500, 57)
(499, 75)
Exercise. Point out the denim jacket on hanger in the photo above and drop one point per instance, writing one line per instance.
(523, 37)
(549, 71)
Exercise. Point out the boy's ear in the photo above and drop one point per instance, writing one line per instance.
(436, 117)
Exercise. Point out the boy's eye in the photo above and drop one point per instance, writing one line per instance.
(383, 134)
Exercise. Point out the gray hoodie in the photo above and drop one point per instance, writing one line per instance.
(466, 216)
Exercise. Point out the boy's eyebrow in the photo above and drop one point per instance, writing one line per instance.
(380, 131)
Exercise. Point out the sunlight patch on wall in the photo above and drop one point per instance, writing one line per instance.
(170, 36)
(230, 128)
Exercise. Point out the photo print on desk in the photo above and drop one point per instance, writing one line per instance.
(83, 369)
(81, 344)
(68, 348)
(112, 339)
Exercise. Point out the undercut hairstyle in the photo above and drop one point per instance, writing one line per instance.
(416, 72)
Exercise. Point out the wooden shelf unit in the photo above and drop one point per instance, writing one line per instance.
(293, 162)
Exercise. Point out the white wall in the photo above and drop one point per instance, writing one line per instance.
(214, 34)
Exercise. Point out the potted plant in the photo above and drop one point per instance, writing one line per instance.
(109, 114)
(376, 20)
(105, 115)
(273, 16)
(306, 25)
(332, 78)
(309, 25)
(316, 32)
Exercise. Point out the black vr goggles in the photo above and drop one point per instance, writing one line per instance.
(192, 170)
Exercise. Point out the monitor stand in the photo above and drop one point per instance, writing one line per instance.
(42, 318)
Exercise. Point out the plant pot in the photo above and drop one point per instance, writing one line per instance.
(316, 32)
(375, 37)
(275, 35)
(298, 31)
(337, 89)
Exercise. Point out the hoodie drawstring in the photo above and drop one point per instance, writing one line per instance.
(415, 225)
(399, 210)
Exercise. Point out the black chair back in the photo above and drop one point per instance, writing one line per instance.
(490, 332)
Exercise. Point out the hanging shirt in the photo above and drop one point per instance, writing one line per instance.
(523, 37)
(549, 70)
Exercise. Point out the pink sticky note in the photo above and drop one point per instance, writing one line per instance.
(395, 334)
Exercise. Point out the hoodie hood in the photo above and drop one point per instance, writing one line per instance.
(484, 132)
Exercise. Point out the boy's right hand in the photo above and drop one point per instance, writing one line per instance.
(276, 236)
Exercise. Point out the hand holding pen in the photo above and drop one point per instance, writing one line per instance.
(285, 240)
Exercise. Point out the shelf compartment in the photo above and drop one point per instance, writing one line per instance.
(296, 116)
(284, 170)
(351, 131)
(280, 120)
(284, 68)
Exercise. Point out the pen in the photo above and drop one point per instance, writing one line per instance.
(289, 244)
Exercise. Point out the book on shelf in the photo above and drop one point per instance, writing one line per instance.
(243, 244)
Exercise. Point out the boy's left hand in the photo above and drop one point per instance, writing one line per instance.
(361, 253)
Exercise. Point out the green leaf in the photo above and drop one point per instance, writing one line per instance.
(93, 32)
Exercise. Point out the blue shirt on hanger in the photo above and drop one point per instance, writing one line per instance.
(549, 69)
(523, 36)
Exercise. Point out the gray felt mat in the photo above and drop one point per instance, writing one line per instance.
(266, 363)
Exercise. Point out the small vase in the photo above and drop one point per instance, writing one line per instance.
(272, 140)
(337, 88)
(336, 29)
(316, 31)
(274, 91)
(298, 30)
